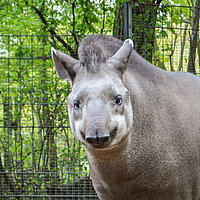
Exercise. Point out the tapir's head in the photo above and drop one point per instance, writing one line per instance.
(99, 105)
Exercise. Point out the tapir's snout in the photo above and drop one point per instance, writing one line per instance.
(96, 128)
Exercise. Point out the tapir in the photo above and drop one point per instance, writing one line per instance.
(139, 124)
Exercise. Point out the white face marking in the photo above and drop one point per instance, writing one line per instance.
(104, 90)
(124, 121)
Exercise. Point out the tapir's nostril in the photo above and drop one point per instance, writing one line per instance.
(91, 140)
(103, 139)
(83, 135)
(97, 139)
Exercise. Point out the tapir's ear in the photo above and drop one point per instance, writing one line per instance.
(120, 58)
(66, 67)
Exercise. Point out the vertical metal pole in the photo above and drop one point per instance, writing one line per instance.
(127, 20)
(130, 20)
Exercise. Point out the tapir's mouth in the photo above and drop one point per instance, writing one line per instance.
(101, 145)
(113, 133)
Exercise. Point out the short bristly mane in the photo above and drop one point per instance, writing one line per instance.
(96, 49)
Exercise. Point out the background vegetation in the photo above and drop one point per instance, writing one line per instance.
(38, 153)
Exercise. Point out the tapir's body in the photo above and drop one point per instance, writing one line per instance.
(142, 143)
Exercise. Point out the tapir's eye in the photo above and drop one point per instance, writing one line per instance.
(76, 105)
(118, 100)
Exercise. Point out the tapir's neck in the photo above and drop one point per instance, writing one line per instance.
(109, 165)
(141, 67)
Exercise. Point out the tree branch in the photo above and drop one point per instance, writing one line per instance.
(74, 21)
(52, 31)
(104, 16)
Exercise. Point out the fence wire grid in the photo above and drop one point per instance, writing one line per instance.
(39, 156)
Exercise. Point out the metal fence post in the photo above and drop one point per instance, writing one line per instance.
(127, 20)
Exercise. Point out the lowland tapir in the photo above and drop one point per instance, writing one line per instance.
(139, 124)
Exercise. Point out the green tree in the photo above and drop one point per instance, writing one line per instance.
(194, 37)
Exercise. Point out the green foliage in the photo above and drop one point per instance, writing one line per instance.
(34, 134)
(66, 17)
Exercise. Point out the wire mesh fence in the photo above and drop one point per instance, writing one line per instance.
(163, 34)
(40, 158)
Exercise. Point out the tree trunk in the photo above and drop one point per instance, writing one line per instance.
(173, 47)
(143, 37)
(193, 37)
(8, 183)
(7, 130)
(199, 50)
(180, 67)
(49, 130)
(118, 21)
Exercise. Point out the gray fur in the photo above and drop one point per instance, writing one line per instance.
(153, 151)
